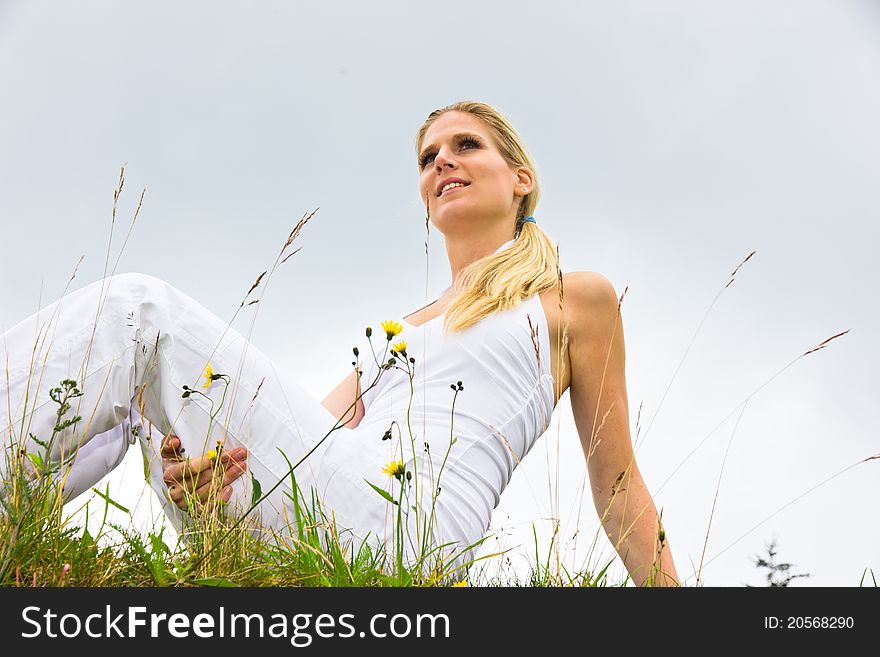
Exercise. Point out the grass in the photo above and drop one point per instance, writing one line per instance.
(46, 547)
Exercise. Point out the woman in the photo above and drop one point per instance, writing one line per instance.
(497, 336)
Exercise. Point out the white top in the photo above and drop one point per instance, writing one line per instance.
(504, 407)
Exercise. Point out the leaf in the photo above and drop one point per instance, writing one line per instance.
(257, 492)
(383, 493)
(159, 546)
(214, 581)
(387, 579)
(110, 501)
(294, 489)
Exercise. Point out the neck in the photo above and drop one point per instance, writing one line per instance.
(464, 251)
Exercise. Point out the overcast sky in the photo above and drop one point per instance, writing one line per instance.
(671, 139)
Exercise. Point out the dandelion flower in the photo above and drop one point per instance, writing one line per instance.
(394, 469)
(214, 453)
(209, 376)
(461, 583)
(391, 328)
(400, 347)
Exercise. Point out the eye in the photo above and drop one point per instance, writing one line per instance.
(469, 140)
(463, 141)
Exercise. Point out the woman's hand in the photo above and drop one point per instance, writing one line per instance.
(202, 479)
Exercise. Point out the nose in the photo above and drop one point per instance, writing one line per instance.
(442, 159)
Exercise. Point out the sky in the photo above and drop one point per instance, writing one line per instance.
(671, 140)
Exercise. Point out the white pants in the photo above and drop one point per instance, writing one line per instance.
(149, 341)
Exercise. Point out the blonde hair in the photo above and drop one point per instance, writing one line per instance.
(500, 281)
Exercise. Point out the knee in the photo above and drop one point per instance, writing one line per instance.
(124, 290)
(134, 284)
(134, 280)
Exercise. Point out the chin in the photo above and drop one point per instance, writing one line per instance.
(445, 222)
(454, 212)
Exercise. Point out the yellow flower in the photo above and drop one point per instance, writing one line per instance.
(400, 347)
(461, 583)
(391, 328)
(394, 469)
(209, 376)
(214, 453)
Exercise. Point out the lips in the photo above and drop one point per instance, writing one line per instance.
(446, 181)
(452, 189)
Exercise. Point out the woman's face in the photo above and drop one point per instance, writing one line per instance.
(459, 145)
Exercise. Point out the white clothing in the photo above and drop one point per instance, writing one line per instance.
(152, 339)
(505, 406)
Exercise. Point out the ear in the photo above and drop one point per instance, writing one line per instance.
(525, 178)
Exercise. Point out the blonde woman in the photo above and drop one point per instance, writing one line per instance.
(475, 378)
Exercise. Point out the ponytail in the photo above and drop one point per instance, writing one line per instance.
(501, 281)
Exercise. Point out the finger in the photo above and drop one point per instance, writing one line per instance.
(166, 445)
(176, 493)
(213, 493)
(184, 498)
(207, 491)
(191, 482)
(238, 454)
(232, 462)
(187, 470)
(173, 473)
(218, 473)
(218, 477)
(231, 475)
(215, 500)
(233, 472)
(171, 447)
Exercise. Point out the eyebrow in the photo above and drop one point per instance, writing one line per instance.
(432, 147)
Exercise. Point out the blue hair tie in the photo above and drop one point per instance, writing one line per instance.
(532, 219)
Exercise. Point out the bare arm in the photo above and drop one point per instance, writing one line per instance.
(601, 413)
(340, 399)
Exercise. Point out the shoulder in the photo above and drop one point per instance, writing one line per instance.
(591, 304)
(589, 291)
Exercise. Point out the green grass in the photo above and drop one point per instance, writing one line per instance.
(44, 547)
